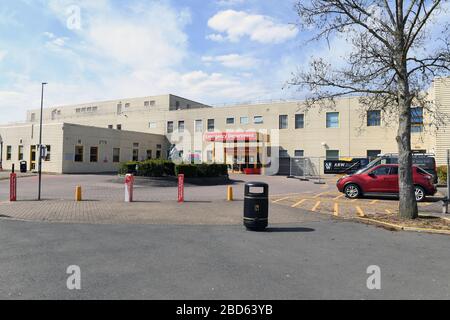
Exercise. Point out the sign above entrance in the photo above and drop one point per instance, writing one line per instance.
(231, 136)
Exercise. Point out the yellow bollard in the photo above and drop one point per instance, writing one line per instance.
(78, 194)
(230, 194)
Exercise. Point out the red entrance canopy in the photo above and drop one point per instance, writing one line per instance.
(231, 136)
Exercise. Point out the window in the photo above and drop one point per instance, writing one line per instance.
(258, 120)
(119, 127)
(394, 171)
(158, 154)
(8, 152)
(89, 109)
(170, 127)
(332, 154)
(127, 105)
(33, 117)
(332, 119)
(416, 129)
(116, 155)
(93, 154)
(198, 125)
(119, 108)
(152, 125)
(77, 110)
(283, 154)
(79, 153)
(299, 153)
(180, 126)
(158, 146)
(381, 171)
(149, 154)
(374, 118)
(209, 156)
(416, 120)
(230, 120)
(135, 155)
(110, 126)
(94, 109)
(372, 154)
(244, 120)
(152, 103)
(177, 105)
(146, 103)
(20, 153)
(283, 121)
(48, 156)
(210, 125)
(299, 121)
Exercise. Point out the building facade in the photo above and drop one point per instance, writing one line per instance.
(194, 131)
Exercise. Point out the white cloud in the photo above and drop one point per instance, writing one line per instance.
(260, 28)
(233, 61)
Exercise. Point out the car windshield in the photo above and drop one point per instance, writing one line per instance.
(371, 164)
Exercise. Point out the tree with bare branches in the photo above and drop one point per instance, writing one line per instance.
(397, 48)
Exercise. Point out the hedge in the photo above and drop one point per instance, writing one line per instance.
(160, 168)
(442, 174)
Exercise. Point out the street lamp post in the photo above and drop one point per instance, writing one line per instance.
(40, 143)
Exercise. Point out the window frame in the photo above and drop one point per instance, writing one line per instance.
(281, 124)
(95, 155)
(116, 158)
(328, 126)
(297, 115)
(79, 147)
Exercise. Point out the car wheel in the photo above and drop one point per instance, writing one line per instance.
(352, 191)
(420, 193)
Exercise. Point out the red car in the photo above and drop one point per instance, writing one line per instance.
(383, 179)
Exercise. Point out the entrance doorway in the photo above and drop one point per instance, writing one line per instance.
(32, 158)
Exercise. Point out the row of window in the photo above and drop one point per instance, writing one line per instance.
(94, 156)
(332, 121)
(86, 110)
(20, 156)
(330, 154)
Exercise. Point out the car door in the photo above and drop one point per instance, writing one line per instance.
(391, 180)
(376, 179)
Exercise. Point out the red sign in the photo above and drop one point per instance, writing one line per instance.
(13, 187)
(181, 188)
(231, 136)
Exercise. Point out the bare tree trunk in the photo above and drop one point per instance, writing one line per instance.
(408, 205)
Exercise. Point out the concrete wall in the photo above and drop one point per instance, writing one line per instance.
(106, 140)
(27, 135)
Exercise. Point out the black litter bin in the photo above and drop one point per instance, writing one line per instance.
(256, 206)
(23, 166)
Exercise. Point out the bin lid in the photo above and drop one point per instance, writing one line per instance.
(256, 184)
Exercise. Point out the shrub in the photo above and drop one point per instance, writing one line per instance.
(442, 174)
(189, 170)
(128, 167)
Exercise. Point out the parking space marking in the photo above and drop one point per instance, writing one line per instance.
(316, 206)
(336, 209)
(298, 203)
(319, 195)
(339, 196)
(281, 199)
(388, 211)
(374, 201)
(360, 211)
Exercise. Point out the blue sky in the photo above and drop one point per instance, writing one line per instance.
(213, 51)
(218, 51)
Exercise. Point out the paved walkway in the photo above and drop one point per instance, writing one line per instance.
(167, 212)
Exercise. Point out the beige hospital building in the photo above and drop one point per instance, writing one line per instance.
(96, 137)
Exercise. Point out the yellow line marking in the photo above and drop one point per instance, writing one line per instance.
(424, 204)
(339, 196)
(298, 203)
(336, 209)
(388, 211)
(279, 200)
(319, 195)
(284, 194)
(374, 201)
(324, 187)
(316, 206)
(360, 211)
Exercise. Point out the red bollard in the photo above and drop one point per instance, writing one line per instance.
(129, 182)
(13, 187)
(181, 188)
